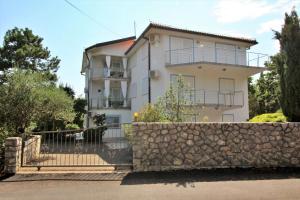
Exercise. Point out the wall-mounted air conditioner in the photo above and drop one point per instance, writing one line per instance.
(154, 74)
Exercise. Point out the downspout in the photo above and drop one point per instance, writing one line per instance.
(149, 68)
(88, 92)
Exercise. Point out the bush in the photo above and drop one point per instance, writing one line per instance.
(128, 132)
(151, 113)
(269, 117)
(72, 127)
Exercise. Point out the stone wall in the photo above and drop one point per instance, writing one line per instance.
(169, 146)
(13, 149)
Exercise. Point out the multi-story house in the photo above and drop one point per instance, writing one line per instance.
(124, 75)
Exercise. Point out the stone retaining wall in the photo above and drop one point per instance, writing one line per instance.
(168, 146)
(13, 151)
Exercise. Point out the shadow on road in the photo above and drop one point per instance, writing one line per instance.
(187, 178)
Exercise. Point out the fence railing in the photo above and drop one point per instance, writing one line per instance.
(213, 98)
(215, 55)
(81, 147)
(113, 102)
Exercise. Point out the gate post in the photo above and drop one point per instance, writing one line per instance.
(13, 152)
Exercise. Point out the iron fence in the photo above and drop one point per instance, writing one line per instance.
(81, 147)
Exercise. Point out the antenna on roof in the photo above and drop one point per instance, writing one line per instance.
(134, 26)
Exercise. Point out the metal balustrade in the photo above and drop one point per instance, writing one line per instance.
(113, 102)
(215, 55)
(114, 73)
(213, 98)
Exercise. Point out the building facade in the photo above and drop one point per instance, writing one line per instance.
(124, 75)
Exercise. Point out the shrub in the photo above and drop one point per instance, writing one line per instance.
(269, 117)
(151, 113)
(72, 127)
(127, 128)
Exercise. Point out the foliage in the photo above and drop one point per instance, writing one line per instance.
(71, 127)
(128, 132)
(23, 49)
(151, 113)
(267, 89)
(100, 121)
(30, 97)
(253, 104)
(288, 66)
(174, 104)
(68, 89)
(264, 94)
(79, 104)
(269, 117)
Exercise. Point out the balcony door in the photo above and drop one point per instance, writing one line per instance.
(226, 53)
(226, 89)
(181, 50)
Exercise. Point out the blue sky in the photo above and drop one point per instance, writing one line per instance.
(67, 32)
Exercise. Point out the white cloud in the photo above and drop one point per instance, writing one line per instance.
(270, 25)
(230, 11)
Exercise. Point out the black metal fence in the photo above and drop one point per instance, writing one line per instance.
(82, 147)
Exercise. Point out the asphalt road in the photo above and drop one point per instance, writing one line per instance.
(172, 186)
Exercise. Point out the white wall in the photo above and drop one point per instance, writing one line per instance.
(204, 79)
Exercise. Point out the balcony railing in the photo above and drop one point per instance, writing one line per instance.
(103, 73)
(215, 55)
(213, 98)
(113, 102)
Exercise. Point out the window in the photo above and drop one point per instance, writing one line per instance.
(189, 81)
(145, 84)
(113, 121)
(133, 90)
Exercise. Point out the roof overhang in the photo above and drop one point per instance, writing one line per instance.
(151, 26)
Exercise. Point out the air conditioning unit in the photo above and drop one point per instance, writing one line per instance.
(154, 74)
(154, 39)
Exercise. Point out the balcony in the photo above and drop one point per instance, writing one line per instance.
(113, 102)
(217, 99)
(215, 55)
(115, 73)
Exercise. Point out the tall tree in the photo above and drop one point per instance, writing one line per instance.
(267, 89)
(23, 49)
(288, 66)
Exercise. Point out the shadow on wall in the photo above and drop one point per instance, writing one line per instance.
(187, 178)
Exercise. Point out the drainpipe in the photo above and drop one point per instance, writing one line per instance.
(149, 68)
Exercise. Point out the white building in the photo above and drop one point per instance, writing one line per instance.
(123, 75)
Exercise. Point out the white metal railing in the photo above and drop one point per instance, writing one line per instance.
(115, 72)
(213, 98)
(113, 102)
(215, 55)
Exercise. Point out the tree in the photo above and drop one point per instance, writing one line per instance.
(23, 49)
(288, 66)
(253, 104)
(30, 97)
(174, 103)
(68, 89)
(100, 121)
(79, 104)
(267, 89)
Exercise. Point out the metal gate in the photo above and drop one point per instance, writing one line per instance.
(82, 147)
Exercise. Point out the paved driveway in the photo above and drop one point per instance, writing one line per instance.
(172, 186)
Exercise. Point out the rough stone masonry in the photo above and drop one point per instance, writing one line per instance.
(169, 146)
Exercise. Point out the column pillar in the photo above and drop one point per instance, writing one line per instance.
(125, 67)
(108, 62)
(106, 91)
